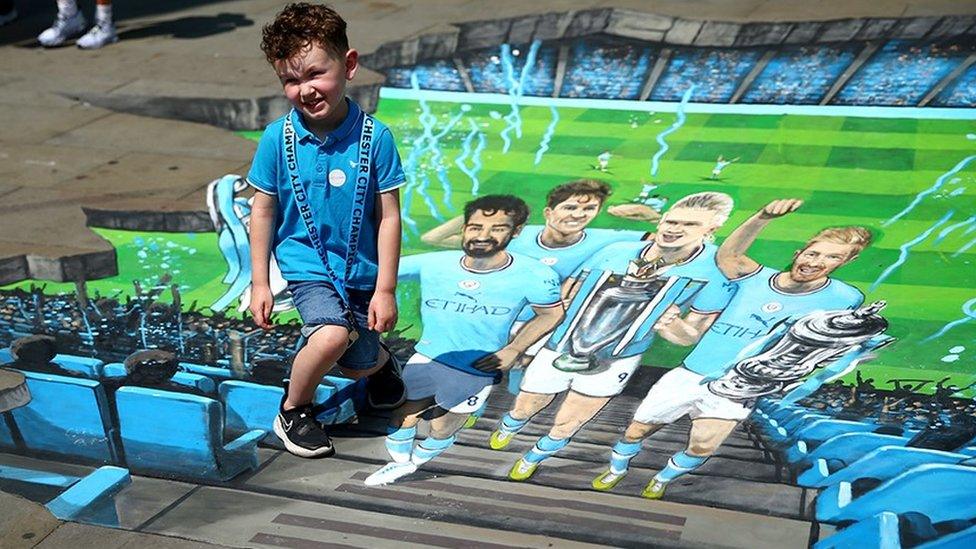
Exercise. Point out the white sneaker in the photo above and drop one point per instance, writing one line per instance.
(99, 35)
(390, 473)
(63, 29)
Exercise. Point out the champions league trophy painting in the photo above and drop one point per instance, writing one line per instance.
(230, 215)
(804, 345)
(616, 312)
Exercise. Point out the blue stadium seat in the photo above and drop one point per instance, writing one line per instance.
(882, 464)
(84, 499)
(440, 74)
(6, 437)
(901, 73)
(964, 539)
(941, 492)
(715, 73)
(817, 428)
(90, 500)
(253, 406)
(488, 72)
(782, 430)
(800, 75)
(607, 69)
(88, 367)
(199, 382)
(798, 419)
(961, 93)
(178, 435)
(215, 372)
(878, 532)
(67, 417)
(813, 435)
(841, 451)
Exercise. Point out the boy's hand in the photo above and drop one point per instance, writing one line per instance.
(502, 360)
(382, 312)
(262, 303)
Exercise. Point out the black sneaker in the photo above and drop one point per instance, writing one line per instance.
(301, 434)
(385, 389)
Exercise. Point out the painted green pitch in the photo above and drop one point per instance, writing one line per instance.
(850, 171)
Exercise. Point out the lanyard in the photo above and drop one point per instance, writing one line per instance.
(306, 211)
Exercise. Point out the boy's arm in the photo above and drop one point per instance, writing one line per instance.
(382, 307)
(263, 214)
(731, 256)
(446, 235)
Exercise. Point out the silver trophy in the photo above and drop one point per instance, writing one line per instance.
(614, 309)
(811, 342)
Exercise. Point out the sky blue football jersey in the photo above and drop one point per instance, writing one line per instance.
(567, 259)
(714, 290)
(754, 309)
(468, 314)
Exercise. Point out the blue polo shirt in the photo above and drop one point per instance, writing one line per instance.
(327, 170)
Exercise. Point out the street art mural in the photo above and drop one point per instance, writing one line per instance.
(731, 277)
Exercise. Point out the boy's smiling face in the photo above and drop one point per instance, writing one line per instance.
(314, 81)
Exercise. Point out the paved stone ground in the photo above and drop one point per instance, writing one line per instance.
(60, 155)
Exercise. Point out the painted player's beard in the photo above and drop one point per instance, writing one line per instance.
(807, 274)
(492, 248)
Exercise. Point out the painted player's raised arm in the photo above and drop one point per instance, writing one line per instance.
(731, 257)
(446, 235)
(543, 297)
(635, 212)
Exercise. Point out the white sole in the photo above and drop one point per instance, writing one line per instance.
(370, 481)
(295, 449)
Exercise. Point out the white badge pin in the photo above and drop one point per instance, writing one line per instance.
(337, 178)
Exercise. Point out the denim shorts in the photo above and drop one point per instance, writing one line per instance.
(319, 305)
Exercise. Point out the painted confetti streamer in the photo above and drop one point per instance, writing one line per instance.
(680, 121)
(546, 137)
(968, 309)
(905, 249)
(935, 187)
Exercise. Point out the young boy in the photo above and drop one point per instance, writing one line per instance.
(327, 177)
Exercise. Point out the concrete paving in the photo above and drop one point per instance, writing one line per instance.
(67, 144)
(73, 154)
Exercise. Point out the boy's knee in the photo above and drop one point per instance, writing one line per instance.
(328, 338)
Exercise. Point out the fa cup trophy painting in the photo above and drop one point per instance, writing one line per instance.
(803, 345)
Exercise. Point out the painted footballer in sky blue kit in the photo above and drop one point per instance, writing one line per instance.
(467, 314)
(754, 310)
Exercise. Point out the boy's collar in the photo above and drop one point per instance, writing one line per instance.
(336, 135)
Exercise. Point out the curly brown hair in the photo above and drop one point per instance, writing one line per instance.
(301, 24)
